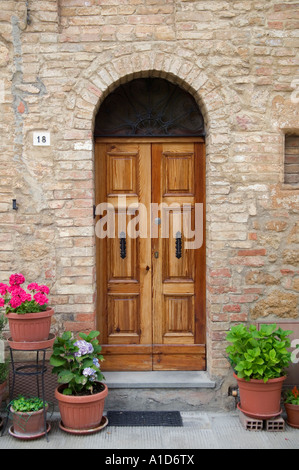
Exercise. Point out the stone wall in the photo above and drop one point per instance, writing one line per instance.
(239, 59)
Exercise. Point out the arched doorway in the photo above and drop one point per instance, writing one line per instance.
(150, 191)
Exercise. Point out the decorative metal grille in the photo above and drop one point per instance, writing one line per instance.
(149, 107)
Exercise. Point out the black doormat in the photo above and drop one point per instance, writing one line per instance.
(144, 418)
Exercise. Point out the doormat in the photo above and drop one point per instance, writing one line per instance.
(144, 418)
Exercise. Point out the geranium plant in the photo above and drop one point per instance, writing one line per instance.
(77, 362)
(259, 354)
(292, 396)
(17, 299)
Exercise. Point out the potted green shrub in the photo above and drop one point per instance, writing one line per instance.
(28, 417)
(81, 393)
(291, 404)
(27, 310)
(259, 359)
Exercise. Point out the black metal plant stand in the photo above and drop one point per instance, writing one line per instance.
(35, 369)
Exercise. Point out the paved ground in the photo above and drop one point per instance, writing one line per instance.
(201, 430)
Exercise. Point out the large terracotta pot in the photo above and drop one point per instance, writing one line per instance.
(259, 399)
(292, 414)
(29, 327)
(28, 425)
(81, 413)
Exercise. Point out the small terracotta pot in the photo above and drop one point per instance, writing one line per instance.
(259, 399)
(29, 327)
(28, 424)
(292, 414)
(83, 412)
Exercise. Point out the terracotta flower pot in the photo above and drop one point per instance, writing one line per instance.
(29, 327)
(29, 424)
(82, 412)
(259, 399)
(292, 414)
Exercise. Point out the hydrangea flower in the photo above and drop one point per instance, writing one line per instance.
(84, 348)
(90, 373)
(96, 362)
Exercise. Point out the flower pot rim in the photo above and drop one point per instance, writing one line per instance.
(30, 315)
(80, 398)
(257, 381)
(290, 405)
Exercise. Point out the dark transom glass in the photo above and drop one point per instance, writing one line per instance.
(149, 107)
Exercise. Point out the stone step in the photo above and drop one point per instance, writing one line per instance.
(159, 390)
(159, 379)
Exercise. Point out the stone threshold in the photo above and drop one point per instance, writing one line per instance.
(159, 379)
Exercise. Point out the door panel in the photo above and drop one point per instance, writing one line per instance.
(151, 288)
(177, 291)
(124, 283)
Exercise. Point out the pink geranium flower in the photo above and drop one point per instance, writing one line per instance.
(16, 299)
(33, 286)
(43, 289)
(3, 288)
(15, 302)
(40, 298)
(16, 279)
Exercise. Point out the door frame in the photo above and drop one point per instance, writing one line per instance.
(201, 302)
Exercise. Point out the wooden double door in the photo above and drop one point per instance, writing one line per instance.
(150, 283)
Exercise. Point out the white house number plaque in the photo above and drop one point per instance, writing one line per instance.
(41, 138)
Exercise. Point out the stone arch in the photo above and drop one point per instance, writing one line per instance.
(112, 68)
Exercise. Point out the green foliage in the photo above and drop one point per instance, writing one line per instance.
(27, 405)
(258, 354)
(77, 362)
(292, 396)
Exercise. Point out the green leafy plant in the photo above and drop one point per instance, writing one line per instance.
(258, 354)
(27, 405)
(292, 396)
(77, 362)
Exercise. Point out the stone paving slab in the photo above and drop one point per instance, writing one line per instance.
(201, 430)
